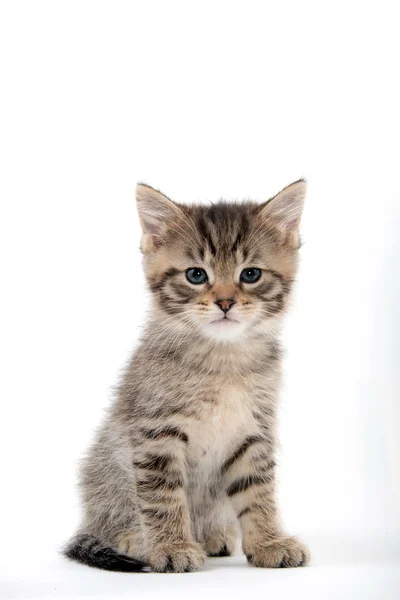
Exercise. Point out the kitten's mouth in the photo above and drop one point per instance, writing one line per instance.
(224, 328)
(225, 320)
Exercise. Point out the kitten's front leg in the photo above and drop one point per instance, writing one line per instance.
(160, 476)
(250, 480)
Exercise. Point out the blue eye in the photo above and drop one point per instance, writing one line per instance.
(196, 275)
(250, 275)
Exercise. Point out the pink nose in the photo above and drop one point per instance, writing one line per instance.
(225, 303)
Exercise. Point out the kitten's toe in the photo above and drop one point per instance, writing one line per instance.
(223, 551)
(128, 543)
(221, 542)
(177, 557)
(278, 553)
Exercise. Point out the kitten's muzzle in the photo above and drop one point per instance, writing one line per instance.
(225, 304)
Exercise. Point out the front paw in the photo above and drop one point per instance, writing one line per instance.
(278, 553)
(177, 557)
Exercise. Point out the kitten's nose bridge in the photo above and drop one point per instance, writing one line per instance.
(225, 303)
(224, 296)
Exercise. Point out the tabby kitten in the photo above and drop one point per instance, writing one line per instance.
(185, 458)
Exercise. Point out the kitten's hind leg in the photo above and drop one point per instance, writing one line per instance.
(221, 541)
(220, 529)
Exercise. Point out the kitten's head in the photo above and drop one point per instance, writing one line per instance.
(223, 269)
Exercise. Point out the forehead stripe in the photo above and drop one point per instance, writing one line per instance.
(206, 234)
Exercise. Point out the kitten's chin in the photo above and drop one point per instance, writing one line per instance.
(225, 330)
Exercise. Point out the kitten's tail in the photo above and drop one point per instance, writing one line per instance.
(89, 550)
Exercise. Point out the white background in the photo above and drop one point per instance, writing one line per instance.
(203, 100)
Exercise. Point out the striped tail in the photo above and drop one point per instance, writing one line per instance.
(89, 550)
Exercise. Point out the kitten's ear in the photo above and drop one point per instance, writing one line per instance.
(156, 212)
(283, 211)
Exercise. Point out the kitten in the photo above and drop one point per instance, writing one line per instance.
(185, 459)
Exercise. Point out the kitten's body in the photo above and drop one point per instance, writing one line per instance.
(187, 452)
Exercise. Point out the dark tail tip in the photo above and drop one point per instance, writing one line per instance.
(89, 550)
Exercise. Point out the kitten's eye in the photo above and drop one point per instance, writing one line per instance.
(250, 275)
(196, 275)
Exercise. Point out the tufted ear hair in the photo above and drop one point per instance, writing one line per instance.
(283, 211)
(156, 213)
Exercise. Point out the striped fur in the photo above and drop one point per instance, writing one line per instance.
(184, 462)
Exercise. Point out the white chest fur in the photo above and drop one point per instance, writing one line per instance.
(221, 426)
